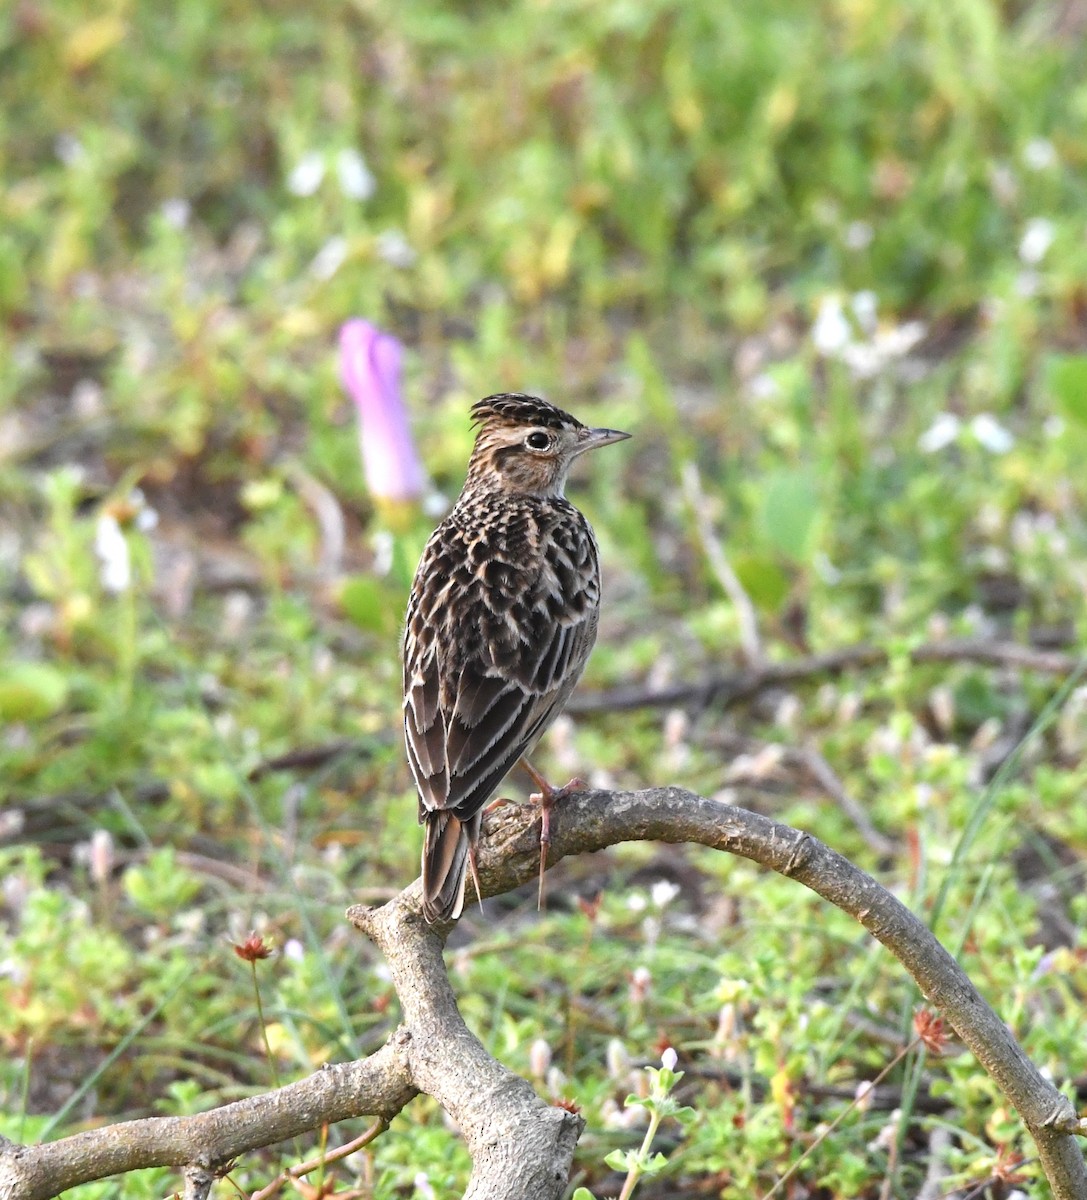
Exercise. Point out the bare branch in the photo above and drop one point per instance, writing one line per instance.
(324, 1159)
(521, 1148)
(205, 1143)
(747, 620)
(735, 687)
(591, 821)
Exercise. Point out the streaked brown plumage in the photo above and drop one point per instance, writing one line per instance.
(501, 620)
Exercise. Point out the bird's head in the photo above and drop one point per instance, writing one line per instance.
(525, 445)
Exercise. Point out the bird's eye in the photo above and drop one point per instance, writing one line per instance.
(537, 441)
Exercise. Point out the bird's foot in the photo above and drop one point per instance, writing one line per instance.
(547, 797)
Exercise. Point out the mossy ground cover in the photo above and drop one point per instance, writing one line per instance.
(826, 262)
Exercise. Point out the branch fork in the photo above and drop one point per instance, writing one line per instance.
(521, 1148)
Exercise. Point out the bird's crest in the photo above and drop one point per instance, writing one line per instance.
(518, 408)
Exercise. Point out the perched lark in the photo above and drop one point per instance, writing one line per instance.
(501, 619)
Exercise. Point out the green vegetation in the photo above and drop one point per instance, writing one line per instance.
(830, 255)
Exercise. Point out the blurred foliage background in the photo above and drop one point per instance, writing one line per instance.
(826, 261)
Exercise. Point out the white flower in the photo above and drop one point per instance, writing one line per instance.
(395, 249)
(669, 1059)
(176, 212)
(328, 260)
(831, 332)
(864, 305)
(942, 432)
(146, 517)
(383, 544)
(1037, 238)
(356, 179)
(991, 434)
(1053, 426)
(539, 1058)
(663, 892)
(859, 235)
(86, 399)
(764, 387)
(422, 1187)
(1039, 154)
(112, 551)
(100, 858)
(899, 340)
(69, 149)
(640, 983)
(307, 174)
(618, 1059)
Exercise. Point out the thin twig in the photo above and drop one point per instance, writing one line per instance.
(738, 686)
(326, 508)
(824, 775)
(304, 1168)
(939, 1143)
(829, 1129)
(746, 617)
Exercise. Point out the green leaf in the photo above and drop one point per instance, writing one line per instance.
(621, 1160)
(788, 512)
(762, 578)
(158, 886)
(31, 692)
(1066, 380)
(583, 1193)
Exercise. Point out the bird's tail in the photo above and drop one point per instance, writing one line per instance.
(445, 865)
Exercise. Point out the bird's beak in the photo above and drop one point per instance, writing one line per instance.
(590, 439)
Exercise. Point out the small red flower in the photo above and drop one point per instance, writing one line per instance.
(1006, 1168)
(253, 948)
(932, 1031)
(569, 1105)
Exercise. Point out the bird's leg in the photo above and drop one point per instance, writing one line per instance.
(475, 875)
(547, 797)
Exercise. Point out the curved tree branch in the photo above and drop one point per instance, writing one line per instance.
(735, 687)
(206, 1143)
(590, 821)
(522, 1149)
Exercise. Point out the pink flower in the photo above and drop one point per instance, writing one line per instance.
(370, 368)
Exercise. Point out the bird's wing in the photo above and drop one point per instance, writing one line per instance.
(478, 696)
(424, 718)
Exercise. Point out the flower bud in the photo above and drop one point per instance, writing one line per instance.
(370, 362)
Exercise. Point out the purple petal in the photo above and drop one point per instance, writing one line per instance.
(370, 366)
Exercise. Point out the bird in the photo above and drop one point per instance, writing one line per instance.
(501, 619)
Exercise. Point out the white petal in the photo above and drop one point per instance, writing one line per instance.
(942, 432)
(306, 177)
(1039, 154)
(831, 332)
(1037, 238)
(991, 434)
(356, 179)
